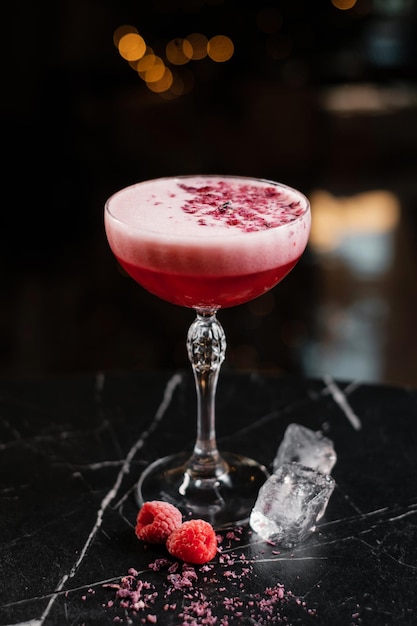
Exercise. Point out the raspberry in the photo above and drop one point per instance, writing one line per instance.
(194, 542)
(156, 520)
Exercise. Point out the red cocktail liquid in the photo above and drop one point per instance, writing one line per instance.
(207, 292)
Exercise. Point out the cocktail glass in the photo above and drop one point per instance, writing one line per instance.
(206, 243)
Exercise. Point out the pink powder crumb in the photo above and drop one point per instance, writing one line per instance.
(132, 571)
(158, 564)
(195, 596)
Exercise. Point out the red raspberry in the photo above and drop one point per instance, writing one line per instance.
(194, 542)
(156, 520)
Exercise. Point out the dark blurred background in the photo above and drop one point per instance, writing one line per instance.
(321, 95)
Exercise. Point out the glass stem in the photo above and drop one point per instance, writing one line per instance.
(206, 345)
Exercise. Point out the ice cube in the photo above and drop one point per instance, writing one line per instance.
(308, 447)
(290, 503)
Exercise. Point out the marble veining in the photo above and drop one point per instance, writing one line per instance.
(71, 450)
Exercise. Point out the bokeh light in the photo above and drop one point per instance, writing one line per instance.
(371, 212)
(343, 5)
(220, 48)
(179, 51)
(121, 31)
(199, 44)
(154, 70)
(132, 46)
(163, 83)
(151, 68)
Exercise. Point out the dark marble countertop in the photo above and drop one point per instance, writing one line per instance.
(71, 450)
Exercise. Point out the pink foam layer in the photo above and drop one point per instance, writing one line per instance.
(208, 225)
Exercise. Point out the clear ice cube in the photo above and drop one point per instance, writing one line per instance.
(308, 447)
(290, 503)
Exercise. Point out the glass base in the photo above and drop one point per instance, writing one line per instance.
(224, 501)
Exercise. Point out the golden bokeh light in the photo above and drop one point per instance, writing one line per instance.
(132, 46)
(154, 70)
(121, 31)
(334, 217)
(220, 48)
(179, 51)
(135, 64)
(146, 62)
(151, 68)
(199, 44)
(163, 83)
(343, 5)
